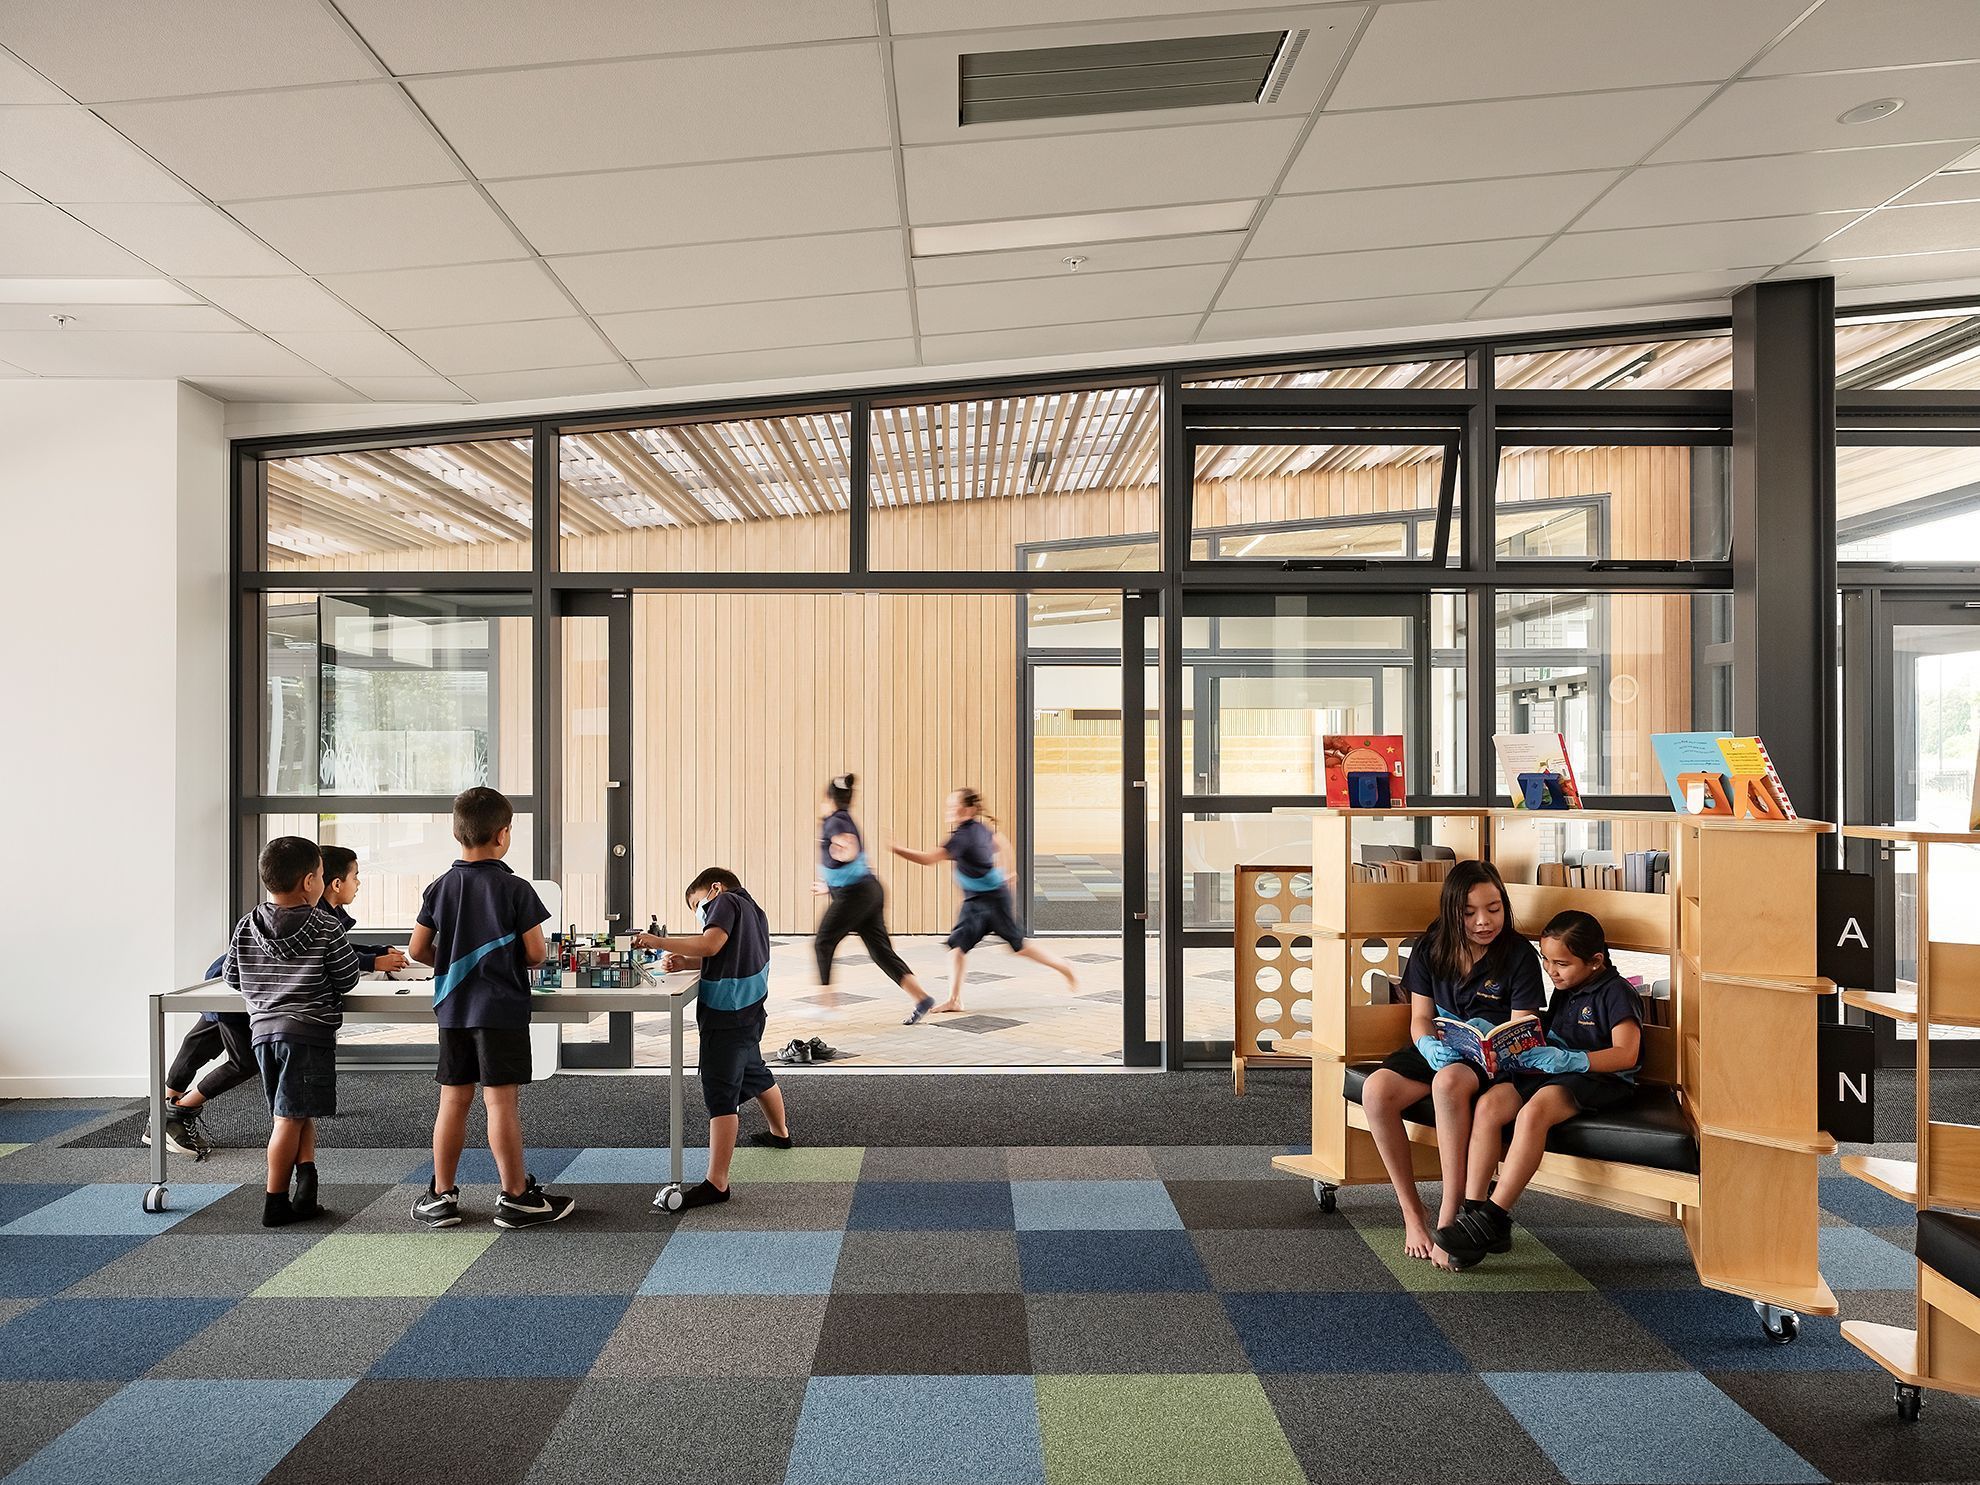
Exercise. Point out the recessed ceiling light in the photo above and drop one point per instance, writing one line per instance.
(1099, 226)
(92, 291)
(1876, 108)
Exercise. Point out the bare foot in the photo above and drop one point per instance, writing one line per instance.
(1441, 1259)
(1417, 1242)
(949, 1009)
(1072, 982)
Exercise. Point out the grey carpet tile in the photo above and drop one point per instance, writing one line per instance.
(84, 1165)
(1897, 1307)
(928, 1263)
(1843, 1424)
(178, 1265)
(775, 1206)
(34, 1414)
(1079, 1163)
(683, 1433)
(389, 1209)
(1219, 1163)
(1635, 1257)
(9, 1308)
(1335, 1260)
(279, 1338)
(1400, 1425)
(924, 1335)
(581, 1263)
(934, 1163)
(1112, 1334)
(239, 1211)
(487, 1431)
(1547, 1332)
(714, 1335)
(1250, 1203)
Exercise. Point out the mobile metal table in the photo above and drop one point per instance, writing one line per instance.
(375, 1002)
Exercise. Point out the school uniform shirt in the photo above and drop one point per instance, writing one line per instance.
(1585, 1018)
(293, 968)
(1491, 991)
(837, 874)
(736, 976)
(479, 912)
(367, 954)
(972, 850)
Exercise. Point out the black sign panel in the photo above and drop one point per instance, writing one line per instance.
(1846, 1065)
(1845, 919)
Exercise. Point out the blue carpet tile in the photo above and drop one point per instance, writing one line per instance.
(1016, 1315)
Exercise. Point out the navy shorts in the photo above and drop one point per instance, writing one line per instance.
(986, 915)
(300, 1078)
(1413, 1065)
(732, 1067)
(493, 1056)
(1590, 1091)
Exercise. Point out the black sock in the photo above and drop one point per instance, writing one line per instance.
(303, 1199)
(275, 1209)
(703, 1195)
(774, 1141)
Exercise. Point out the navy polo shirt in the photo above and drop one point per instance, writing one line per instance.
(1492, 991)
(479, 912)
(973, 851)
(840, 873)
(736, 976)
(1585, 1018)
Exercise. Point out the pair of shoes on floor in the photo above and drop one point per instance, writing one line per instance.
(1480, 1227)
(533, 1208)
(184, 1134)
(803, 1053)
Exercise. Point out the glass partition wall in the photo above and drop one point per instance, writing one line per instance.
(1124, 607)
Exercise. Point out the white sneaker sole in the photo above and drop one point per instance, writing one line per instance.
(451, 1221)
(540, 1221)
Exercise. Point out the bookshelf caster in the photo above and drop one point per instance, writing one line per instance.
(1324, 1194)
(1907, 1399)
(1781, 1326)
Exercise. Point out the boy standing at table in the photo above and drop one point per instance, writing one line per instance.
(481, 928)
(340, 890)
(293, 967)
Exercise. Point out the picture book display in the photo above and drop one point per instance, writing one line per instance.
(1538, 773)
(1363, 772)
(1715, 773)
(1490, 1050)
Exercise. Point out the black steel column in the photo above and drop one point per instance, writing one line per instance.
(1479, 546)
(1784, 532)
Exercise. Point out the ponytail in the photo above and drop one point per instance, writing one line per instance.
(1581, 934)
(974, 801)
(840, 790)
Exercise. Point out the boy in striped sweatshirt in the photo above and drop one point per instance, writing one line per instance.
(293, 967)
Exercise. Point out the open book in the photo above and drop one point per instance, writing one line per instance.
(1494, 1049)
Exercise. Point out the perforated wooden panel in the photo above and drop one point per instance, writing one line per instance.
(1274, 969)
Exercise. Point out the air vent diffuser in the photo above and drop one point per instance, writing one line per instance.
(1063, 82)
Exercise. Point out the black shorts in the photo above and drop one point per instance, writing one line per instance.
(493, 1056)
(1590, 1091)
(300, 1078)
(731, 1063)
(1412, 1065)
(986, 915)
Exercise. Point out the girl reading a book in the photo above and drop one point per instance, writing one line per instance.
(1470, 965)
(1594, 1047)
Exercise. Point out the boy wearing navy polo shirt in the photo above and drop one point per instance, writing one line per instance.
(733, 953)
(481, 928)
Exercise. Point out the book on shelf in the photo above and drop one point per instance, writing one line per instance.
(1537, 770)
(1655, 999)
(1493, 1049)
(1404, 863)
(1715, 773)
(1602, 871)
(1363, 771)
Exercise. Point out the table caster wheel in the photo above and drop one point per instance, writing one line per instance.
(154, 1199)
(1781, 1326)
(1324, 1194)
(668, 1199)
(1907, 1398)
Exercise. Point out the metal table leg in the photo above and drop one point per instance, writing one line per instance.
(154, 1197)
(668, 1198)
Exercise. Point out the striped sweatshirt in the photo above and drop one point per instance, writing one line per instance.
(293, 966)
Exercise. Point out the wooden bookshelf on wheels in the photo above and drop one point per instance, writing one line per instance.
(1944, 1350)
(1722, 1139)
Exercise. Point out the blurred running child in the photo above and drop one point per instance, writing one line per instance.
(859, 902)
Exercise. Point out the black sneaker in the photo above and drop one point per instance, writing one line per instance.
(438, 1208)
(533, 1208)
(183, 1133)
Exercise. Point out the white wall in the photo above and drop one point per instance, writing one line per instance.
(113, 751)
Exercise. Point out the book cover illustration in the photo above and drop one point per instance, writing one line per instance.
(1715, 773)
(1491, 1050)
(1538, 773)
(1363, 772)
(1757, 788)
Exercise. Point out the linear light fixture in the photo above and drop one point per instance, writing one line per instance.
(1064, 82)
(1087, 227)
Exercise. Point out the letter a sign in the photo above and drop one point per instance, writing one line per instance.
(1846, 903)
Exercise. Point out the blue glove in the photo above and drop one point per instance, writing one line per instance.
(1554, 1060)
(1480, 1025)
(1436, 1053)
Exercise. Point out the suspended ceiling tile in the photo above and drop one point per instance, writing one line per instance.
(69, 154)
(1059, 340)
(1784, 115)
(658, 334)
(184, 237)
(415, 228)
(1399, 313)
(703, 203)
(1911, 268)
(143, 49)
(776, 365)
(1769, 185)
(147, 354)
(1464, 211)
(407, 388)
(1621, 293)
(1698, 247)
(13, 193)
(1387, 273)
(275, 389)
(290, 303)
(450, 35)
(463, 294)
(991, 179)
(724, 273)
(1099, 257)
(352, 352)
(47, 240)
(662, 111)
(1877, 33)
(364, 136)
(524, 345)
(909, 16)
(15, 289)
(1473, 141)
(1444, 50)
(1070, 298)
(561, 381)
(1909, 229)
(21, 84)
(1947, 185)
(183, 319)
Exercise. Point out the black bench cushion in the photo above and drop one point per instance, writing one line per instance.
(1950, 1243)
(1649, 1130)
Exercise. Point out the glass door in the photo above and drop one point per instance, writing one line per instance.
(595, 863)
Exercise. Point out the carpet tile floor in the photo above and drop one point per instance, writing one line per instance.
(1058, 1315)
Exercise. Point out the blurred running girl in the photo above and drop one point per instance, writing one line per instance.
(858, 900)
